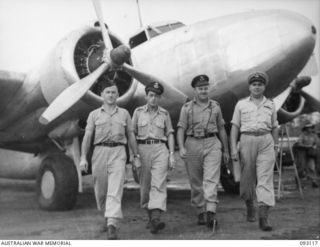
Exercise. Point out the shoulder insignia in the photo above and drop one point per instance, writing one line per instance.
(163, 110)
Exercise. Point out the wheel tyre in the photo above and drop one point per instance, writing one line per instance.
(227, 181)
(57, 183)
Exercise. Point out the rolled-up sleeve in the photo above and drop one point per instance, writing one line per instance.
(274, 120)
(129, 123)
(135, 122)
(236, 116)
(183, 120)
(90, 123)
(169, 128)
(220, 120)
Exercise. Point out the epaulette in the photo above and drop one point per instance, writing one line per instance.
(139, 108)
(187, 103)
(214, 103)
(163, 110)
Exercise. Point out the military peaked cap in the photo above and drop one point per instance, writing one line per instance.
(258, 76)
(155, 87)
(200, 80)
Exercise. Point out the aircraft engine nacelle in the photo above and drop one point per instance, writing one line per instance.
(292, 108)
(76, 56)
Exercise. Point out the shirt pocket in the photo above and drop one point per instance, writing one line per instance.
(119, 127)
(212, 124)
(142, 128)
(159, 128)
(266, 115)
(101, 125)
(246, 116)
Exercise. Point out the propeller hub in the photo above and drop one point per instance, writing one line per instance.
(120, 54)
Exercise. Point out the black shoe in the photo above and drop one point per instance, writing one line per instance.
(112, 232)
(156, 225)
(263, 218)
(104, 227)
(251, 211)
(264, 224)
(211, 220)
(201, 219)
(314, 185)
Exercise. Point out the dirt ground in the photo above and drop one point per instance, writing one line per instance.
(292, 218)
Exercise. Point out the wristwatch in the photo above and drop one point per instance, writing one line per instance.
(136, 156)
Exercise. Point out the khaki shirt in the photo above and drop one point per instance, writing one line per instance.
(157, 126)
(252, 118)
(198, 120)
(109, 127)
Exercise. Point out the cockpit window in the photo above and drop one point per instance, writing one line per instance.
(152, 31)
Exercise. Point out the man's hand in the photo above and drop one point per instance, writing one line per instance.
(84, 165)
(235, 155)
(136, 162)
(182, 152)
(226, 157)
(136, 167)
(172, 161)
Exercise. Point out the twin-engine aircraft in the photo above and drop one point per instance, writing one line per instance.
(44, 112)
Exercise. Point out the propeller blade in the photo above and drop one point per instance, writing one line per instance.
(169, 92)
(104, 31)
(71, 95)
(281, 98)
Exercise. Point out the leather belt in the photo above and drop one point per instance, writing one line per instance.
(150, 141)
(205, 136)
(255, 133)
(109, 144)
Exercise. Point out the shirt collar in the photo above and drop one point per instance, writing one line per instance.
(145, 108)
(113, 112)
(209, 104)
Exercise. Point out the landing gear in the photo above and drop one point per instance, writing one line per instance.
(57, 183)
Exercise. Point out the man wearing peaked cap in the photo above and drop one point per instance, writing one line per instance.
(200, 80)
(258, 76)
(202, 122)
(153, 128)
(255, 117)
(155, 87)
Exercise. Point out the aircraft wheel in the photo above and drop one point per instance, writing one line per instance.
(57, 183)
(227, 181)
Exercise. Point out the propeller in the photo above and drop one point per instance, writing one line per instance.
(73, 93)
(298, 83)
(115, 58)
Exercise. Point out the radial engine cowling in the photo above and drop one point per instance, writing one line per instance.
(77, 55)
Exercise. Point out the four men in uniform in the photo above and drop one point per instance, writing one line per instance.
(151, 139)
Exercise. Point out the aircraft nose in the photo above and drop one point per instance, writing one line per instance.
(297, 33)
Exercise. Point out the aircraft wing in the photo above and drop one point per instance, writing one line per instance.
(9, 84)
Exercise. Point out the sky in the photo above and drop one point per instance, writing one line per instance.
(29, 29)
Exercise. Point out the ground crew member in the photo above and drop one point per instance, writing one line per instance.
(109, 128)
(153, 128)
(306, 152)
(256, 119)
(201, 120)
